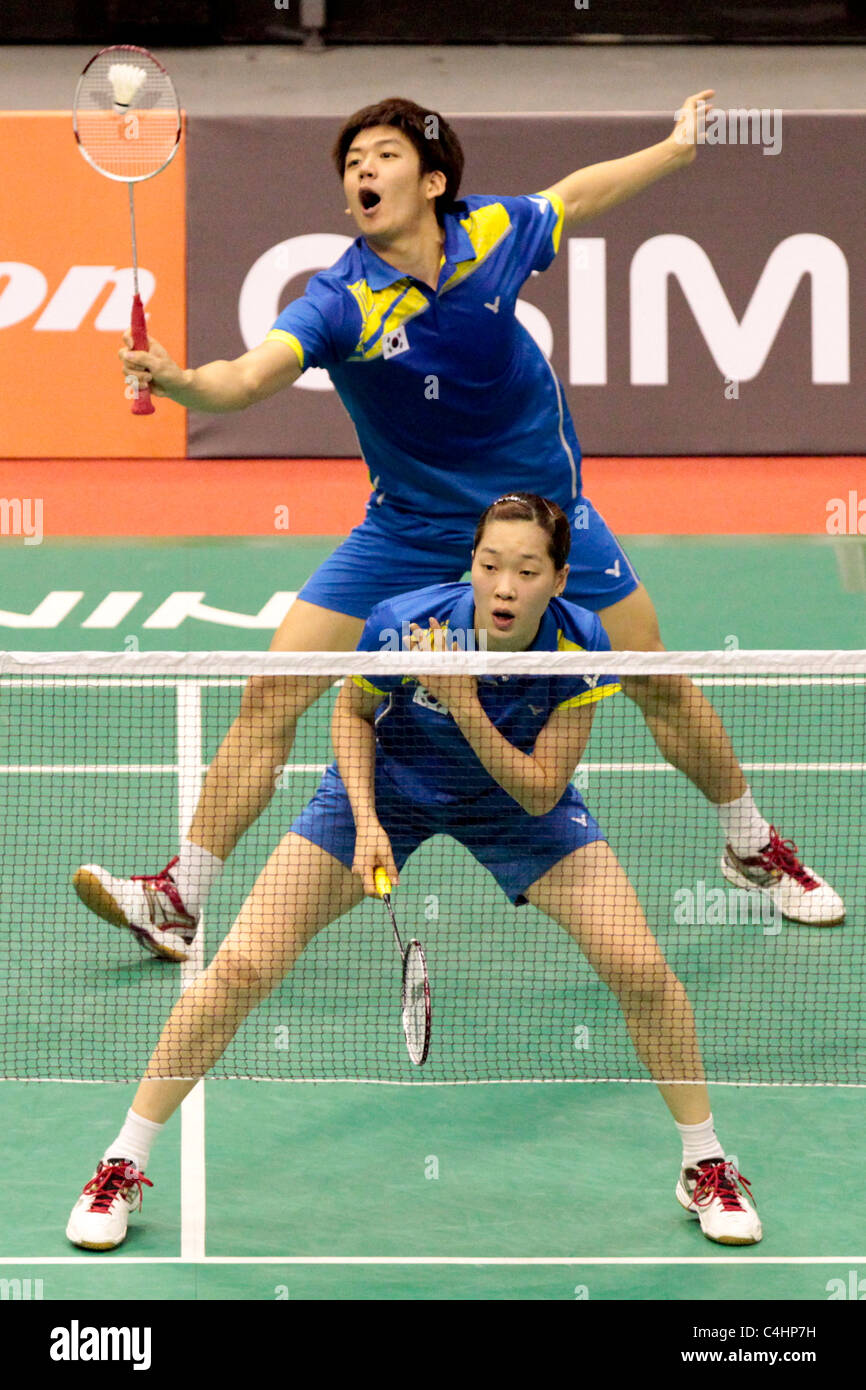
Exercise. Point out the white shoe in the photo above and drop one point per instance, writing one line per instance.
(101, 1214)
(149, 905)
(721, 1199)
(802, 896)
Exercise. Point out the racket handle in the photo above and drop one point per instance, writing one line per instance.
(382, 882)
(141, 402)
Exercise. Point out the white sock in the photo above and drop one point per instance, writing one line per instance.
(699, 1141)
(134, 1140)
(195, 875)
(744, 827)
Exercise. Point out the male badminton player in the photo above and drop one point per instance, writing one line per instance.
(453, 403)
(488, 763)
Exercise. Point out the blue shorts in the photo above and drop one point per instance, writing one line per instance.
(392, 552)
(515, 847)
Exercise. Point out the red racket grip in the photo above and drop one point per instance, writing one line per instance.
(141, 402)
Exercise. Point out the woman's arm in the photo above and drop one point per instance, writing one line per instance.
(354, 740)
(536, 780)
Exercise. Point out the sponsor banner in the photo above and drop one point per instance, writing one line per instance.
(66, 296)
(721, 311)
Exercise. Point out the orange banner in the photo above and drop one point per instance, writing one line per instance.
(326, 497)
(66, 295)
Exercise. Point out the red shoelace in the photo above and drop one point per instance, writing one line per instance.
(164, 883)
(782, 854)
(720, 1179)
(113, 1180)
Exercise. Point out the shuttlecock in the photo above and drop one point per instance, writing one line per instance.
(125, 81)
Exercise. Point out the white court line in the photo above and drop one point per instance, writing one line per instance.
(192, 1129)
(142, 768)
(108, 681)
(474, 1081)
(747, 767)
(512, 1260)
(779, 680)
(89, 767)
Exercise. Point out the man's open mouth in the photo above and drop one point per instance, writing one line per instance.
(369, 199)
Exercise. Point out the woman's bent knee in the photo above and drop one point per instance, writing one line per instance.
(236, 972)
(644, 989)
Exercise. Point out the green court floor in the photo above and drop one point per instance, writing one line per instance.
(359, 1191)
(779, 591)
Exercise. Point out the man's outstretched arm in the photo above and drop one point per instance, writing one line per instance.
(217, 386)
(593, 190)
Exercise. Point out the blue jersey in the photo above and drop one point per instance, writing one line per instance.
(452, 400)
(419, 745)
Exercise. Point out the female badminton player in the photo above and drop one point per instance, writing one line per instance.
(453, 403)
(489, 763)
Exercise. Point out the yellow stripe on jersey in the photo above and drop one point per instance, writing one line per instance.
(383, 311)
(590, 697)
(559, 208)
(371, 689)
(283, 337)
(485, 227)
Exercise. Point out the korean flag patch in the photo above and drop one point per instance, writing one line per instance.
(394, 343)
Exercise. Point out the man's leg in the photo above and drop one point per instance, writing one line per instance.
(691, 737)
(687, 730)
(162, 910)
(242, 777)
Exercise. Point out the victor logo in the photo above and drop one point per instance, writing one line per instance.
(77, 1343)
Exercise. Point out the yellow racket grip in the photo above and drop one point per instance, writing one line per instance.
(382, 882)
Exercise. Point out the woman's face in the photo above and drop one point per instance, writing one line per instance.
(513, 579)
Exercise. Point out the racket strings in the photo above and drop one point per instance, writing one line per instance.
(127, 144)
(416, 1003)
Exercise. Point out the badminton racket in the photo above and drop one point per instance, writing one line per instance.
(415, 988)
(127, 124)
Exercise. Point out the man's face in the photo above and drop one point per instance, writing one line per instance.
(385, 190)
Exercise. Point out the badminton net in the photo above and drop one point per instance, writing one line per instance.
(102, 758)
